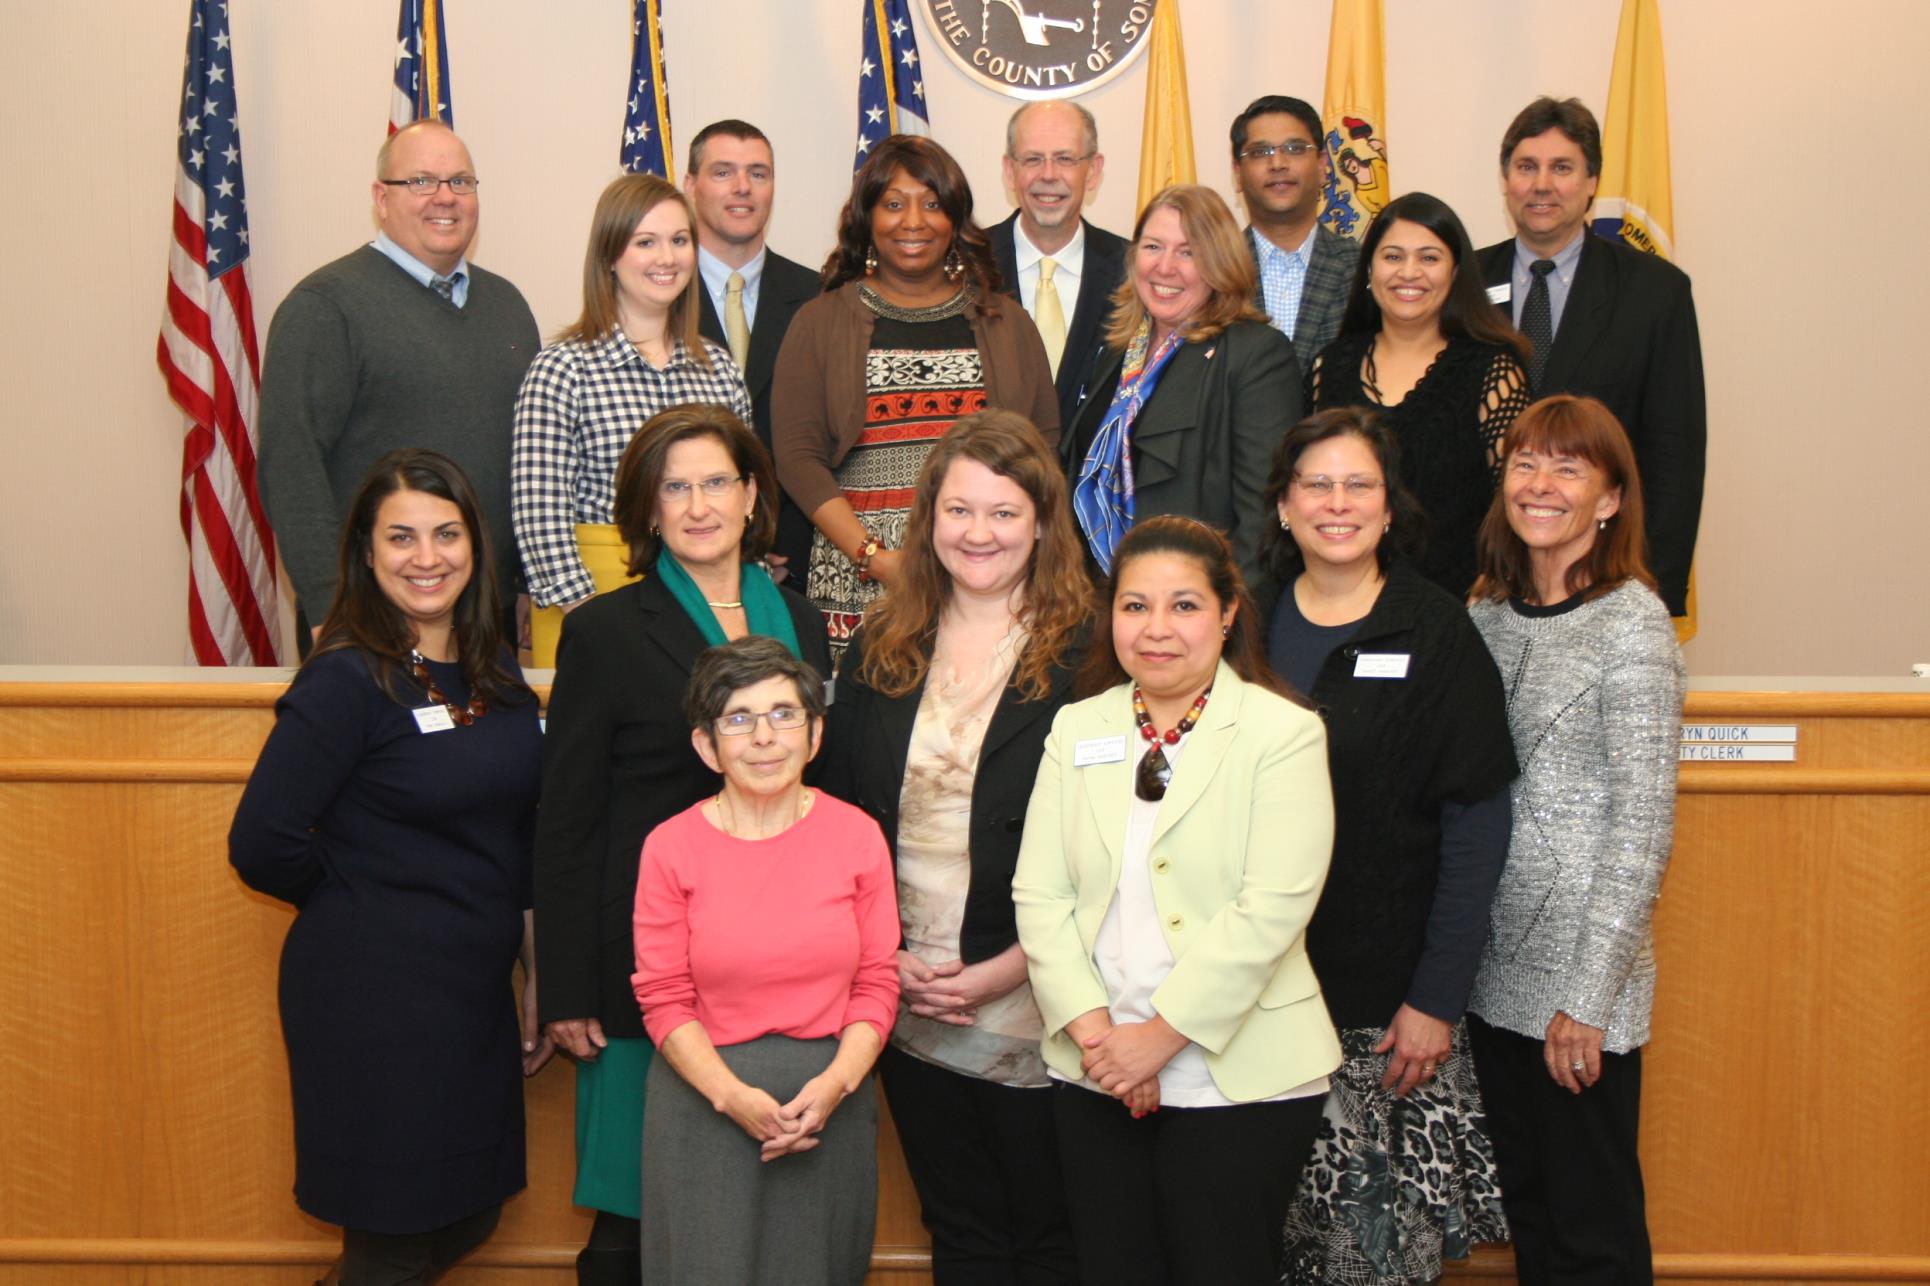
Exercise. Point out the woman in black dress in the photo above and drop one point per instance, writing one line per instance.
(393, 805)
(1421, 341)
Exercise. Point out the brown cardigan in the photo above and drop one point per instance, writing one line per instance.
(818, 391)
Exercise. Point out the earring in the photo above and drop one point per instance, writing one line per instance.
(1225, 630)
(1602, 525)
(954, 264)
(749, 514)
(655, 530)
(871, 261)
(1283, 525)
(1387, 526)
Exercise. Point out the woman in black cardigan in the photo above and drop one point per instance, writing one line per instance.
(696, 505)
(1419, 751)
(943, 706)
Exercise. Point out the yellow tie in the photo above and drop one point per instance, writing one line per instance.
(736, 329)
(1050, 316)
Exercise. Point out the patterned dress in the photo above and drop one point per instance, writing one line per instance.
(923, 372)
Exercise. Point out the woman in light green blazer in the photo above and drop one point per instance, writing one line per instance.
(1175, 846)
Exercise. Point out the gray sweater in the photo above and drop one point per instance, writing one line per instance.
(1595, 703)
(363, 359)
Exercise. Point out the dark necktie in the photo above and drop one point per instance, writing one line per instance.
(1538, 320)
(446, 287)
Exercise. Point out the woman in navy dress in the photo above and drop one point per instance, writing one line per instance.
(393, 805)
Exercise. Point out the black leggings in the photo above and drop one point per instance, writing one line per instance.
(392, 1259)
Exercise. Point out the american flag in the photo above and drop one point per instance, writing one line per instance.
(891, 84)
(421, 66)
(646, 117)
(212, 365)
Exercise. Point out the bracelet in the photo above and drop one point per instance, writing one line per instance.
(863, 558)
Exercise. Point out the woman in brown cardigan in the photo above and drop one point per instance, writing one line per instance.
(911, 334)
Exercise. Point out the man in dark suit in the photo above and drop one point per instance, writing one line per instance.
(1048, 255)
(750, 292)
(1281, 171)
(1606, 320)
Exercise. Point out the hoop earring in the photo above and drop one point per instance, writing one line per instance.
(871, 261)
(954, 264)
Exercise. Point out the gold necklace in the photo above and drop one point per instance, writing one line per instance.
(728, 816)
(737, 604)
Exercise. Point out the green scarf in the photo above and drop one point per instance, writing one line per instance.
(763, 605)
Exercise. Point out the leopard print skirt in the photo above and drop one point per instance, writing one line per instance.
(1394, 1185)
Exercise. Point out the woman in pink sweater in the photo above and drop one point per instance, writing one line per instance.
(766, 934)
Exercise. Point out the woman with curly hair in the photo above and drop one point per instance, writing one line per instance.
(942, 713)
(911, 334)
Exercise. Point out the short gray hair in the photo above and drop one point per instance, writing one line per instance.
(723, 671)
(1085, 118)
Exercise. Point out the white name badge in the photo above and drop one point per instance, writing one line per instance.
(433, 719)
(1099, 750)
(1501, 294)
(1381, 665)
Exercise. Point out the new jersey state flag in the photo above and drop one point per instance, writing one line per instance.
(1353, 112)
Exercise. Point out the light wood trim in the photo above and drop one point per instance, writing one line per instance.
(1807, 705)
(141, 696)
(155, 770)
(1767, 779)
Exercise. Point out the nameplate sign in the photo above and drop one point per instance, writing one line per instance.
(1738, 743)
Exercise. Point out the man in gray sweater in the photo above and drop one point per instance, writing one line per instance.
(401, 343)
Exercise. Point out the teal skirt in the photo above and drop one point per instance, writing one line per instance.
(609, 1128)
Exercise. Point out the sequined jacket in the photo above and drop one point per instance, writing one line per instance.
(1595, 702)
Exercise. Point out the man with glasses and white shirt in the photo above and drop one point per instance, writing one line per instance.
(1281, 169)
(1060, 268)
(400, 343)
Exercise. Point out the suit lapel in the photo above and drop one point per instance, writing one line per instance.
(1591, 303)
(1093, 410)
(1206, 746)
(896, 715)
(1005, 253)
(1175, 408)
(1108, 788)
(667, 627)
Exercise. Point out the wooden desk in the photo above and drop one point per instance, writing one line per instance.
(144, 1122)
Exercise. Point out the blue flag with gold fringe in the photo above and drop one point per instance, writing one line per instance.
(646, 119)
(891, 83)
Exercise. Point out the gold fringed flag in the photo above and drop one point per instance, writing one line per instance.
(1166, 142)
(1353, 113)
(646, 112)
(1633, 202)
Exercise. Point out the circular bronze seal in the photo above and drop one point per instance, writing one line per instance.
(1039, 48)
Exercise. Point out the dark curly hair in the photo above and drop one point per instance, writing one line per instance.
(927, 163)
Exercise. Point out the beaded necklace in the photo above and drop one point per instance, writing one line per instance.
(466, 715)
(1155, 772)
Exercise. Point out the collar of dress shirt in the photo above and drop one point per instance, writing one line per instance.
(1566, 259)
(716, 274)
(1070, 258)
(421, 271)
(1268, 251)
(615, 349)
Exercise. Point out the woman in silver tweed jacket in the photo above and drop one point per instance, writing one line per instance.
(1594, 682)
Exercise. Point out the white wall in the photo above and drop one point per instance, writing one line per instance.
(1789, 124)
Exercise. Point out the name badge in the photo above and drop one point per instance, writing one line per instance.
(1501, 294)
(1099, 750)
(433, 719)
(1381, 665)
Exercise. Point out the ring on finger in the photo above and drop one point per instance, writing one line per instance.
(1427, 1069)
(1578, 1066)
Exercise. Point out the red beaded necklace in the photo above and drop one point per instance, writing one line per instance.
(1155, 772)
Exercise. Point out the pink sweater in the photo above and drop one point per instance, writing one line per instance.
(794, 935)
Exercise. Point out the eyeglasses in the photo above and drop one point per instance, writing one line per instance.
(1320, 486)
(677, 491)
(1265, 151)
(1033, 162)
(427, 184)
(741, 723)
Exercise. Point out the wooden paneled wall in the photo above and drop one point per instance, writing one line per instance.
(144, 1121)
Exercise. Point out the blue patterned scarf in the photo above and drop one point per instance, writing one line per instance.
(1102, 498)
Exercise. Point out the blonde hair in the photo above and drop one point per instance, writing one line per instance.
(1225, 265)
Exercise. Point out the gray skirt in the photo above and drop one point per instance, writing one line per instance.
(713, 1213)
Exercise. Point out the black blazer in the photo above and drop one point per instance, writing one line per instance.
(1203, 443)
(785, 288)
(1628, 336)
(869, 740)
(1105, 268)
(617, 761)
